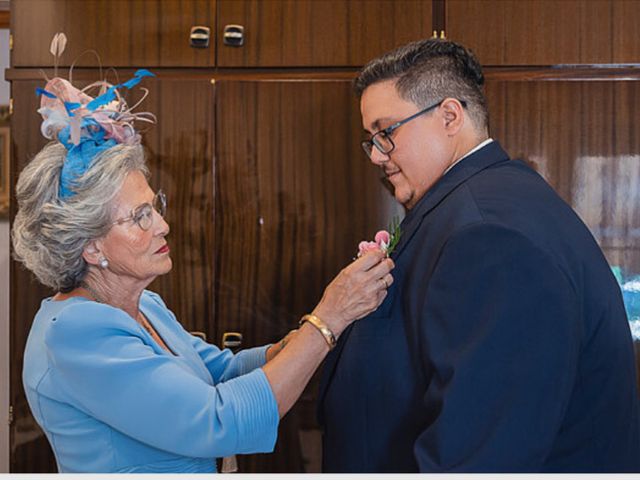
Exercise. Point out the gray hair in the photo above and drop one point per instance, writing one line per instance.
(428, 71)
(49, 234)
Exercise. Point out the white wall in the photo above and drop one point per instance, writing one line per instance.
(4, 285)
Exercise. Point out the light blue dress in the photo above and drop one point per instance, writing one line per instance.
(110, 399)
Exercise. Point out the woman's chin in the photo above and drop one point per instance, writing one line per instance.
(163, 266)
(168, 267)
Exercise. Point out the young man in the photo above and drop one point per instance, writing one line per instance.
(503, 344)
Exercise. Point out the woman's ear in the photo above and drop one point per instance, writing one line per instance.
(453, 114)
(92, 253)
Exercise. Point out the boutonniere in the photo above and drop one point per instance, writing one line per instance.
(383, 240)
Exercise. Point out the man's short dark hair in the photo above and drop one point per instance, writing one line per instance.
(428, 71)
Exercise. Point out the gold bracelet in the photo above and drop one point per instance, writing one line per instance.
(326, 332)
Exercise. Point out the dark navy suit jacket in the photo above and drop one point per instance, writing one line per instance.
(502, 346)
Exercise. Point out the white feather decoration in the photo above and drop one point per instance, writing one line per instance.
(58, 44)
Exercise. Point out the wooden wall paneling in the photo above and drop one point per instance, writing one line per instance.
(535, 32)
(438, 16)
(539, 32)
(626, 34)
(623, 235)
(525, 116)
(624, 246)
(181, 161)
(319, 33)
(480, 26)
(294, 196)
(30, 450)
(135, 33)
(594, 31)
(582, 137)
(293, 188)
(180, 157)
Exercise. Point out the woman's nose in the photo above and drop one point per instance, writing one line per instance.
(162, 227)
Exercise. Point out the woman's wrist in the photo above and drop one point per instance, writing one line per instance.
(276, 348)
(332, 321)
(321, 327)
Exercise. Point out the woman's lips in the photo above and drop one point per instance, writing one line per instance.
(163, 249)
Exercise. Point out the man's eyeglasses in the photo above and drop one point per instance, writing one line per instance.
(143, 214)
(382, 139)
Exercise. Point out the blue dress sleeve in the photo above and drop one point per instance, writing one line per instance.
(104, 368)
(222, 364)
(499, 327)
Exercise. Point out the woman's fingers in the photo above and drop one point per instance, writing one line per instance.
(358, 289)
(379, 276)
(385, 281)
(368, 260)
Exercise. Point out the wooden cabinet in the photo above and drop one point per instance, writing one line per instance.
(327, 33)
(546, 32)
(323, 33)
(295, 194)
(155, 33)
(136, 33)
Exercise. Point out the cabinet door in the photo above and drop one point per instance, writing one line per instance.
(295, 33)
(135, 33)
(295, 194)
(546, 32)
(180, 156)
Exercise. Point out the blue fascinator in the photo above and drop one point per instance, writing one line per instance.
(87, 126)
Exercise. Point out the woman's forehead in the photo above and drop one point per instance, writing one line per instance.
(135, 190)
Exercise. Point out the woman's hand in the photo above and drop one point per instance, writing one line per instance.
(356, 291)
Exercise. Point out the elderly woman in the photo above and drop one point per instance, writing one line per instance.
(111, 376)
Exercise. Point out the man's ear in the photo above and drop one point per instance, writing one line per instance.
(92, 253)
(453, 115)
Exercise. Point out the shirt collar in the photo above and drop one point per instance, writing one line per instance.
(473, 150)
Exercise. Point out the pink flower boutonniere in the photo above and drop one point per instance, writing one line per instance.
(383, 240)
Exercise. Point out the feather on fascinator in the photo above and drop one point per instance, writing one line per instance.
(87, 126)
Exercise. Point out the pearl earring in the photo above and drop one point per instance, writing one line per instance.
(104, 263)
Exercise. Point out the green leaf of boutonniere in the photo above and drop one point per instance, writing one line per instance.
(395, 234)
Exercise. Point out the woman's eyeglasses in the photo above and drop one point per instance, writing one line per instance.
(143, 214)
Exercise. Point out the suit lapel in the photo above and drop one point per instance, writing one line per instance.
(465, 169)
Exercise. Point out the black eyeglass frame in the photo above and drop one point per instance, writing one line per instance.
(367, 145)
(146, 209)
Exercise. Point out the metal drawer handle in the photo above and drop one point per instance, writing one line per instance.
(233, 35)
(199, 37)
